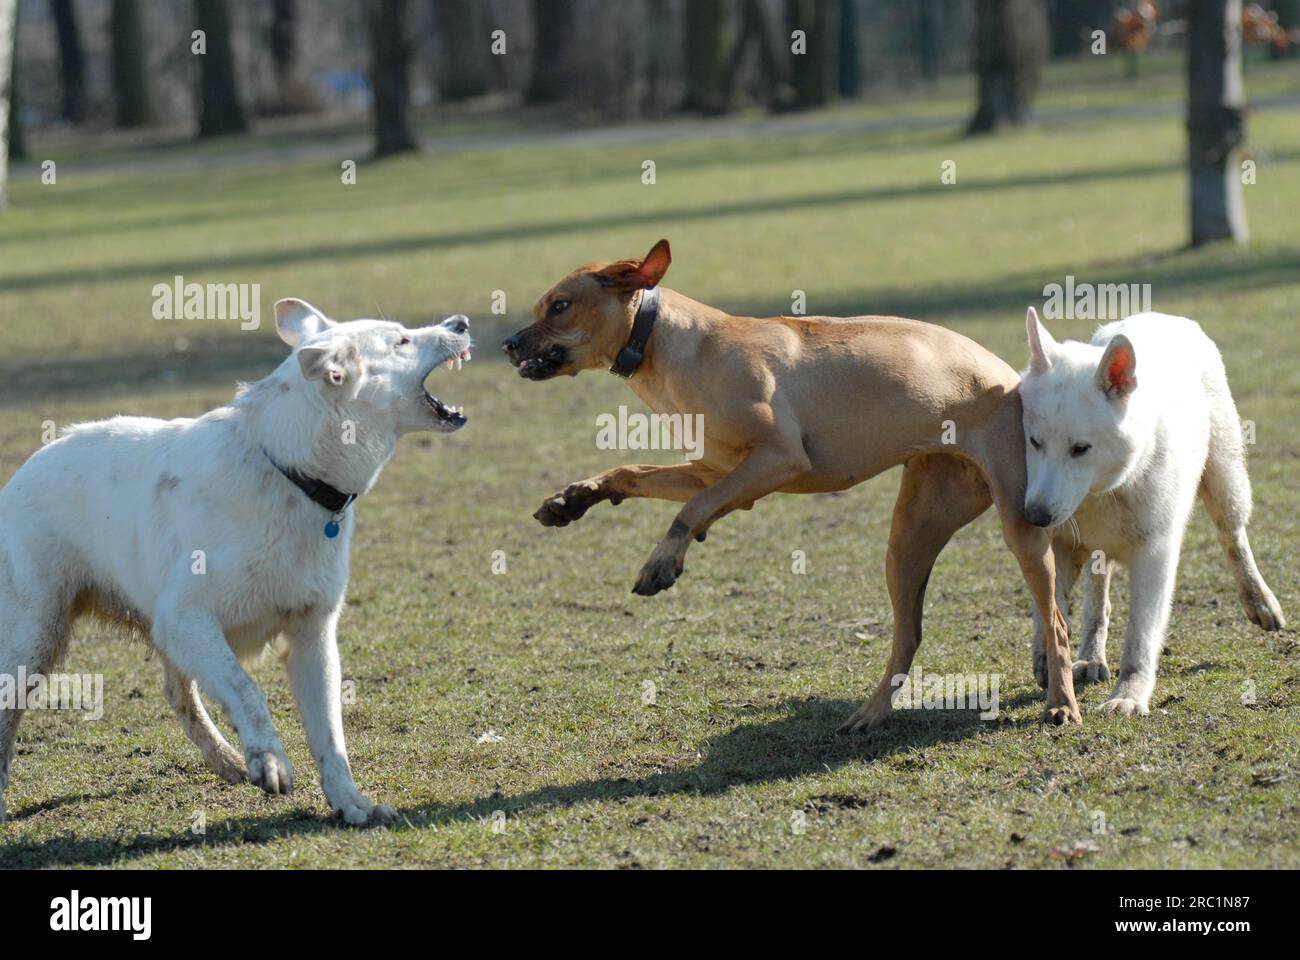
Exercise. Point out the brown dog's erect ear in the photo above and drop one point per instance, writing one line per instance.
(655, 264)
(638, 274)
(330, 362)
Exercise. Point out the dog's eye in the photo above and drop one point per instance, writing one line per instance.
(1035, 444)
(1079, 449)
(558, 307)
(405, 341)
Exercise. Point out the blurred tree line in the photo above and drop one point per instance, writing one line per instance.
(209, 64)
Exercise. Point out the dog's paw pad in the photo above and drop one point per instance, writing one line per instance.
(1090, 671)
(270, 771)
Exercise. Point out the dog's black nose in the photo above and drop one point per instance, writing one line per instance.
(1038, 515)
(511, 344)
(457, 324)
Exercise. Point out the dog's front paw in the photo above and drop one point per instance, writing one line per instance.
(1264, 611)
(868, 716)
(360, 812)
(658, 574)
(270, 770)
(1124, 707)
(1090, 671)
(1060, 716)
(569, 504)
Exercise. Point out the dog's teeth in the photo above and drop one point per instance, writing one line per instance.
(459, 363)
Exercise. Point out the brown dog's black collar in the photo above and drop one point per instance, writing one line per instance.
(633, 352)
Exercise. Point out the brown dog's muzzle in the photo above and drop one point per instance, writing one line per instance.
(533, 360)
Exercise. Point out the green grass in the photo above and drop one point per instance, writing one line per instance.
(753, 666)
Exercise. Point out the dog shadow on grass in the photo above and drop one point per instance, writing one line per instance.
(801, 740)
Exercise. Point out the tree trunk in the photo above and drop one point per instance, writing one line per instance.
(132, 104)
(849, 76)
(1215, 120)
(464, 69)
(1288, 18)
(928, 22)
(8, 44)
(705, 36)
(390, 75)
(220, 111)
(72, 60)
(284, 42)
(814, 72)
(757, 30)
(1011, 43)
(553, 23)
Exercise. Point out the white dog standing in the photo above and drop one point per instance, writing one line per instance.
(1122, 435)
(214, 536)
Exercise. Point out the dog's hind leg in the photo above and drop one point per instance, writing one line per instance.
(1091, 665)
(33, 636)
(1225, 491)
(183, 694)
(938, 496)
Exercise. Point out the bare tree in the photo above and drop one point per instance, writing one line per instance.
(132, 103)
(814, 71)
(553, 26)
(705, 35)
(72, 60)
(758, 30)
(1011, 44)
(284, 42)
(390, 75)
(849, 75)
(1216, 125)
(220, 111)
(464, 68)
(8, 31)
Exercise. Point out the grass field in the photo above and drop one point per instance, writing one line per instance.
(753, 667)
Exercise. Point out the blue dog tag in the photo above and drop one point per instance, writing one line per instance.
(332, 529)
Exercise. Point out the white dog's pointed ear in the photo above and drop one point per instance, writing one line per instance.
(1117, 372)
(329, 362)
(297, 319)
(1040, 343)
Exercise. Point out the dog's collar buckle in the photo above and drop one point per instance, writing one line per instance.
(629, 358)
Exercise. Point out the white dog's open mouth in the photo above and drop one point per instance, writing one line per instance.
(453, 418)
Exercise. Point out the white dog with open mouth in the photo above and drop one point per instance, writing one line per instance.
(1122, 434)
(214, 536)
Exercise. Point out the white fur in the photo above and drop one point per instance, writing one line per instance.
(1121, 435)
(108, 518)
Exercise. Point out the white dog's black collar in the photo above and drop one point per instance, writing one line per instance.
(331, 498)
(633, 352)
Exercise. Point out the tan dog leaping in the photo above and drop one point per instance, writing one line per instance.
(804, 405)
